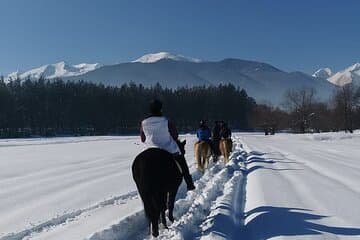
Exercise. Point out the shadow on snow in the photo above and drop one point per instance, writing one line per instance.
(278, 221)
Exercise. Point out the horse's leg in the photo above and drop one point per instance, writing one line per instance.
(203, 162)
(155, 200)
(226, 155)
(210, 153)
(206, 161)
(163, 219)
(223, 151)
(171, 203)
(198, 161)
(155, 227)
(228, 150)
(163, 199)
(198, 158)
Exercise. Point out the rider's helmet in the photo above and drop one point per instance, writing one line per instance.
(155, 107)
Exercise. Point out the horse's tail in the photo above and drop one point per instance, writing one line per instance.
(226, 148)
(153, 205)
(198, 155)
(221, 147)
(150, 198)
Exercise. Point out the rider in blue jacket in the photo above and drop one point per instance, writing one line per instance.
(204, 134)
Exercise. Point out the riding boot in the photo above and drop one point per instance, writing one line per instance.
(216, 151)
(185, 171)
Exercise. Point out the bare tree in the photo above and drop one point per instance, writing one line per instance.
(299, 103)
(347, 100)
(269, 118)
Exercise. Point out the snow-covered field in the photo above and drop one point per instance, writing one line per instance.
(275, 187)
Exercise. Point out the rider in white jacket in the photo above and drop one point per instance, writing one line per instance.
(157, 131)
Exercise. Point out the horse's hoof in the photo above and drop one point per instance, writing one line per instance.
(155, 233)
(171, 218)
(190, 187)
(155, 230)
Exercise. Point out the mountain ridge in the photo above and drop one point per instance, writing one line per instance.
(55, 70)
(348, 75)
(262, 81)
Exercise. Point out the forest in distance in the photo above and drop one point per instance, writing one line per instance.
(56, 108)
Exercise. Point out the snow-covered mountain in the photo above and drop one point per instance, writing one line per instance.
(341, 78)
(323, 73)
(260, 80)
(348, 75)
(154, 57)
(57, 70)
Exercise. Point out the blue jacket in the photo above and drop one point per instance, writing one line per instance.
(203, 134)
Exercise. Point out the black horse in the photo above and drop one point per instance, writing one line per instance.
(157, 178)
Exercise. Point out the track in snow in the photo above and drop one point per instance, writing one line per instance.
(214, 207)
(69, 217)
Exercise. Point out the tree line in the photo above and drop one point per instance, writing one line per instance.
(52, 108)
(301, 111)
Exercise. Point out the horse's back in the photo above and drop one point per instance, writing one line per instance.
(152, 157)
(154, 168)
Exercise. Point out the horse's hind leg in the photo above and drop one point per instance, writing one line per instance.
(226, 156)
(202, 163)
(163, 219)
(154, 213)
(162, 198)
(199, 162)
(154, 227)
(171, 202)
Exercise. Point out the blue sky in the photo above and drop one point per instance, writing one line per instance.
(291, 35)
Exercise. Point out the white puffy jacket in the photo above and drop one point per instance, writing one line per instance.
(157, 134)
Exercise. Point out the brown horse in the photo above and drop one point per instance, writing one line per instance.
(225, 146)
(202, 154)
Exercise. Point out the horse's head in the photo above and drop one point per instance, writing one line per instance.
(181, 145)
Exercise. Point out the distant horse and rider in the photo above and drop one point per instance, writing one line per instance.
(203, 147)
(159, 170)
(215, 144)
(225, 143)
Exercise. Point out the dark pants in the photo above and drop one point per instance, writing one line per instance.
(185, 169)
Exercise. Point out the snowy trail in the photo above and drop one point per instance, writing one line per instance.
(205, 212)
